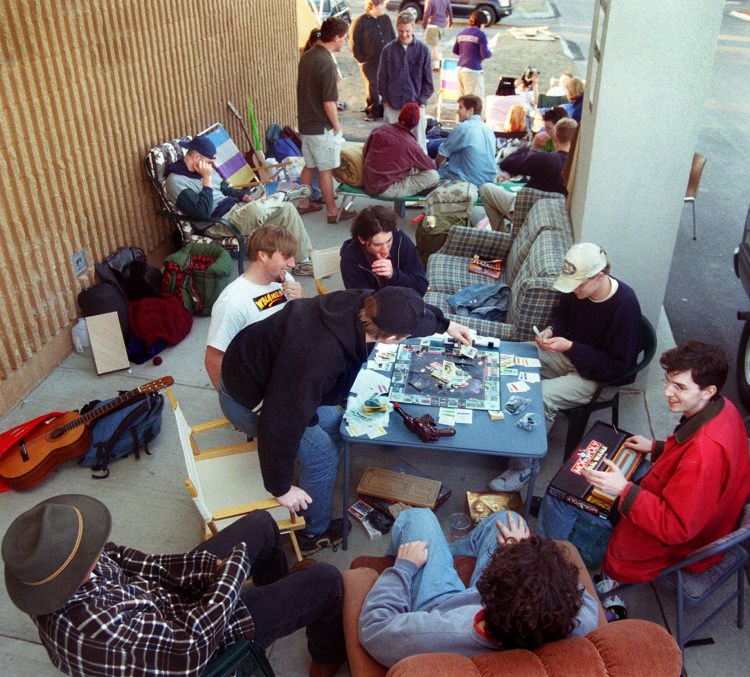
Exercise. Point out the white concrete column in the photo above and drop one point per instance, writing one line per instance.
(643, 104)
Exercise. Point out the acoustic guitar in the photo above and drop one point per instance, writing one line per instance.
(33, 458)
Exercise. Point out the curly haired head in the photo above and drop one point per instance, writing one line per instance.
(530, 594)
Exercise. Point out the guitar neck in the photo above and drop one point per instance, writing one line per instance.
(105, 408)
(236, 114)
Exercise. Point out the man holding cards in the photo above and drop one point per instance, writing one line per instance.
(299, 364)
(594, 336)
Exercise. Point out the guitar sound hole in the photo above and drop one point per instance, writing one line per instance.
(57, 432)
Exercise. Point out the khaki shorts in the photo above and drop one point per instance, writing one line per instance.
(322, 151)
(433, 35)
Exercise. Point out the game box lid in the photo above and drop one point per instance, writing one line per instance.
(602, 441)
(397, 486)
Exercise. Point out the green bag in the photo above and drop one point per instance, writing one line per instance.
(450, 205)
(197, 274)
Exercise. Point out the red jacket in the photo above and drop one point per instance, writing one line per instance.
(391, 152)
(692, 495)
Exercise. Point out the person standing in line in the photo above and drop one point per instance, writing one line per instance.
(318, 118)
(404, 75)
(472, 48)
(438, 15)
(371, 32)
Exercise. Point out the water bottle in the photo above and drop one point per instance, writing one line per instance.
(81, 340)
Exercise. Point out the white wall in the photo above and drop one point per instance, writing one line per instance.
(639, 133)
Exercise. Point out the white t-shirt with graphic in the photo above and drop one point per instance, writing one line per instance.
(240, 304)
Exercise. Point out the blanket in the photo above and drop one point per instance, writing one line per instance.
(350, 170)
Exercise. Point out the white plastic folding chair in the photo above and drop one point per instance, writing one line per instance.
(447, 102)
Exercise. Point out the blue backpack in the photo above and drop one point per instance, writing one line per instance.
(126, 429)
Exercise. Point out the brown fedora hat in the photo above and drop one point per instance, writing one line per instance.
(50, 549)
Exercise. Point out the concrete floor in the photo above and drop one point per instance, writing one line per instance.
(152, 510)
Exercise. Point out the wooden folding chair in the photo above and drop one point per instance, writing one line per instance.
(325, 262)
(222, 479)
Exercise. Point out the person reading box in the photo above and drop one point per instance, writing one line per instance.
(696, 488)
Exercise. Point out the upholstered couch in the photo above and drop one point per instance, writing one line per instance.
(532, 259)
(622, 649)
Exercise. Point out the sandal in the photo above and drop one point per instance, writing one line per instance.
(311, 207)
(321, 200)
(343, 215)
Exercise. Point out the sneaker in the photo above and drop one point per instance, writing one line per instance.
(513, 480)
(297, 193)
(604, 584)
(370, 117)
(302, 270)
(614, 608)
(330, 538)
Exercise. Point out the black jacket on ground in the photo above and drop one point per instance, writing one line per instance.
(305, 356)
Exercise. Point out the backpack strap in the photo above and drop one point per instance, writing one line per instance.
(105, 450)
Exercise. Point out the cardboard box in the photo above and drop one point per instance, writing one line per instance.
(396, 486)
(490, 267)
(602, 441)
(483, 503)
(409, 469)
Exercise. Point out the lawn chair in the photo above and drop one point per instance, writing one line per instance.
(447, 102)
(156, 162)
(325, 262)
(230, 165)
(221, 480)
(497, 109)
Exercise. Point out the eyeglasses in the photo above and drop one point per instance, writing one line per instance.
(584, 283)
(676, 387)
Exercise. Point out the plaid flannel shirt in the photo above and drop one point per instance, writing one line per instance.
(149, 615)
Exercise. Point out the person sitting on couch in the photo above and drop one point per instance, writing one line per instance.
(380, 255)
(522, 594)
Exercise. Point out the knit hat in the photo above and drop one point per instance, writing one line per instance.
(202, 145)
(583, 260)
(409, 115)
(50, 549)
(402, 312)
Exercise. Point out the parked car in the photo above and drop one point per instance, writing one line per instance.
(326, 8)
(742, 270)
(496, 9)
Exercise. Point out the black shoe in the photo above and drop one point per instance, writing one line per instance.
(330, 538)
(536, 504)
(370, 117)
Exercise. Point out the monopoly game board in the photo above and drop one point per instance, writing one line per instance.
(443, 374)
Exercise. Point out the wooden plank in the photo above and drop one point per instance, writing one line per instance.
(107, 343)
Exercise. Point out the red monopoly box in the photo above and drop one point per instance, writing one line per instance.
(602, 441)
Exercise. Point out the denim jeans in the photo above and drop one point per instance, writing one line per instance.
(279, 603)
(437, 579)
(319, 454)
